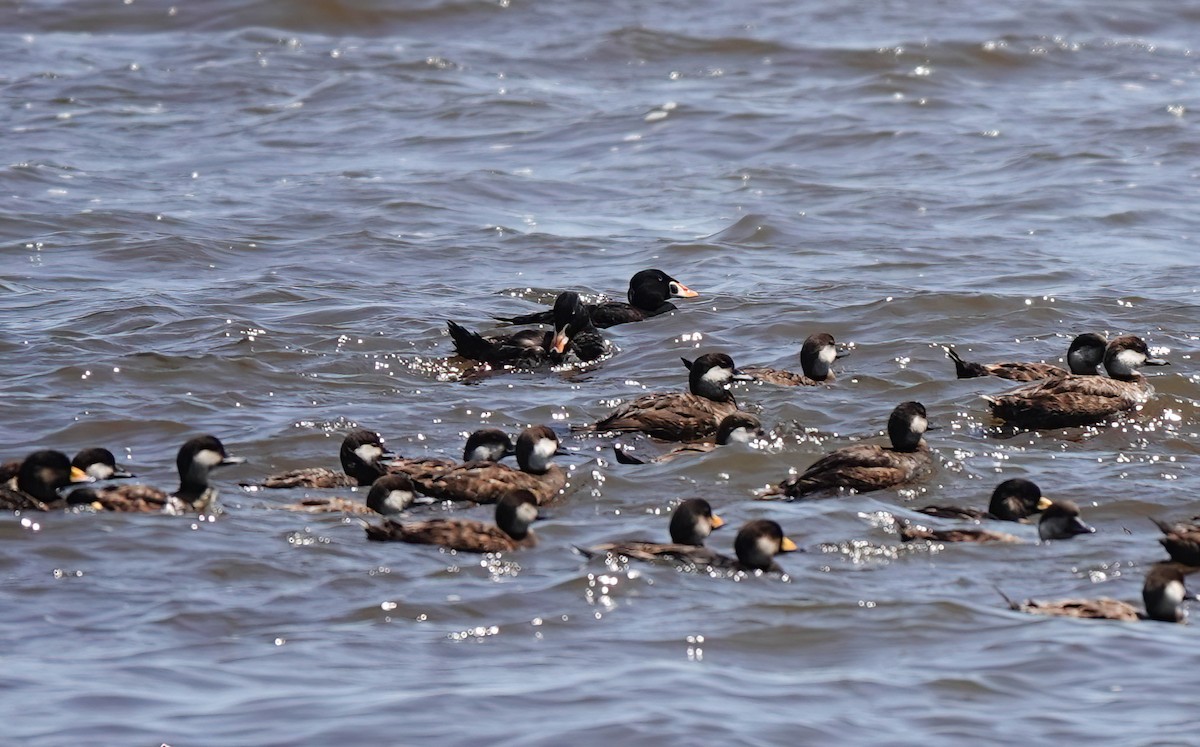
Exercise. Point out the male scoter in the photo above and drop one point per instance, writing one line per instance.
(196, 458)
(866, 467)
(98, 463)
(514, 514)
(691, 416)
(740, 427)
(489, 482)
(1163, 595)
(648, 294)
(1012, 500)
(39, 478)
(1083, 357)
(532, 348)
(691, 524)
(1074, 400)
(816, 356)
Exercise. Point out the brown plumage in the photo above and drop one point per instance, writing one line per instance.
(691, 416)
(1012, 500)
(740, 427)
(1182, 542)
(1073, 400)
(867, 467)
(195, 460)
(1163, 594)
(514, 514)
(1083, 356)
(816, 356)
(910, 532)
(691, 523)
(1060, 520)
(40, 477)
(359, 453)
(489, 482)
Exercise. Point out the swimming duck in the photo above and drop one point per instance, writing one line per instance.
(816, 356)
(100, 464)
(531, 348)
(1163, 595)
(757, 544)
(648, 294)
(691, 416)
(1012, 500)
(360, 454)
(514, 513)
(691, 524)
(489, 482)
(1074, 400)
(740, 427)
(1182, 542)
(1060, 520)
(390, 494)
(39, 478)
(196, 459)
(866, 467)
(1083, 357)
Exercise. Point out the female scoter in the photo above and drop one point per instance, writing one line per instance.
(1074, 400)
(1163, 595)
(1181, 541)
(692, 416)
(866, 467)
(514, 514)
(39, 478)
(360, 454)
(691, 524)
(1060, 520)
(1083, 357)
(489, 482)
(196, 458)
(1012, 500)
(740, 427)
(390, 494)
(816, 356)
(532, 348)
(648, 294)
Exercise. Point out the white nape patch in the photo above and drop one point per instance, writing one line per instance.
(207, 458)
(918, 424)
(718, 374)
(369, 453)
(398, 500)
(527, 513)
(827, 355)
(767, 546)
(1127, 362)
(741, 435)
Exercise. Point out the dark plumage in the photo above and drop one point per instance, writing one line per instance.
(390, 494)
(531, 348)
(757, 544)
(1012, 500)
(360, 453)
(867, 467)
(100, 464)
(39, 478)
(489, 482)
(1182, 542)
(816, 356)
(648, 294)
(693, 416)
(740, 427)
(1083, 357)
(1072, 400)
(514, 514)
(1060, 520)
(196, 459)
(1163, 594)
(691, 523)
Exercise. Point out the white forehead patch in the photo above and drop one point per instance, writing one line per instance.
(828, 354)
(918, 424)
(527, 513)
(369, 453)
(207, 458)
(718, 374)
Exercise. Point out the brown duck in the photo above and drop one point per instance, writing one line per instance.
(740, 427)
(489, 482)
(514, 514)
(1163, 595)
(816, 356)
(1012, 500)
(691, 524)
(1083, 357)
(1060, 520)
(37, 482)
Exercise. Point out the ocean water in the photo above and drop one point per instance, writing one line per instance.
(253, 219)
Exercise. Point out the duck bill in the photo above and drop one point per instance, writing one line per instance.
(1156, 362)
(560, 341)
(120, 473)
(840, 354)
(226, 461)
(1044, 503)
(78, 475)
(679, 290)
(742, 376)
(787, 545)
(717, 522)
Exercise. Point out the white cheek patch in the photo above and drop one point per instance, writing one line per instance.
(1129, 360)
(703, 526)
(398, 500)
(918, 424)
(207, 458)
(99, 471)
(767, 546)
(1174, 593)
(741, 435)
(545, 448)
(527, 513)
(827, 355)
(718, 375)
(369, 453)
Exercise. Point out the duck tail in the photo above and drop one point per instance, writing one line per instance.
(963, 369)
(624, 456)
(1164, 527)
(468, 344)
(584, 551)
(538, 317)
(1011, 604)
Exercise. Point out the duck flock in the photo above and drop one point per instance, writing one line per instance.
(1102, 381)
